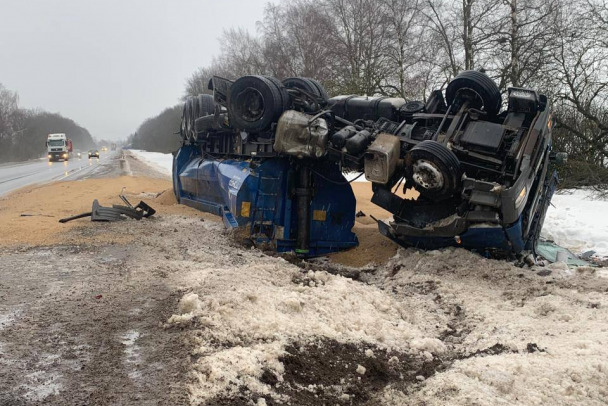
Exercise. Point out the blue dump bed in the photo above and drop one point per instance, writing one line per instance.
(262, 196)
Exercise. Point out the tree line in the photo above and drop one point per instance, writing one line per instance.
(158, 133)
(409, 48)
(23, 132)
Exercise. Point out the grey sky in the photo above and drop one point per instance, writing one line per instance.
(110, 64)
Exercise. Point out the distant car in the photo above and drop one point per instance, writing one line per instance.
(93, 153)
(104, 149)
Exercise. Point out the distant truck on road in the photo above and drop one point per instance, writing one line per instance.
(59, 147)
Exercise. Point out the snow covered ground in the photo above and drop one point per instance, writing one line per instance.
(430, 328)
(158, 160)
(576, 220)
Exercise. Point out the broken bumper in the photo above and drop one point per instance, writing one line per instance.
(479, 237)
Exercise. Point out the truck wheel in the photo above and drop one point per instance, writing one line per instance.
(187, 122)
(182, 126)
(285, 98)
(478, 87)
(322, 91)
(308, 85)
(206, 105)
(434, 170)
(255, 102)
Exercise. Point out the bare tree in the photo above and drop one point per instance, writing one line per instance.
(198, 82)
(481, 24)
(360, 54)
(582, 81)
(242, 54)
(11, 121)
(526, 41)
(406, 49)
(442, 19)
(298, 40)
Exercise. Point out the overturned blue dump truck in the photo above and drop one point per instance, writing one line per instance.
(269, 156)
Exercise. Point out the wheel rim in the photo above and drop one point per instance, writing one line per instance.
(474, 96)
(427, 175)
(250, 104)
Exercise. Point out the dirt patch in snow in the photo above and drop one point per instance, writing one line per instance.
(330, 372)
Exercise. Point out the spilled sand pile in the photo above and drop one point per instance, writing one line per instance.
(30, 216)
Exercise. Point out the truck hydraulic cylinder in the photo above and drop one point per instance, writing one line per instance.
(304, 196)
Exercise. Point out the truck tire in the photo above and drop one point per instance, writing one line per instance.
(285, 98)
(187, 121)
(434, 170)
(308, 85)
(484, 92)
(321, 88)
(183, 131)
(322, 91)
(255, 102)
(205, 106)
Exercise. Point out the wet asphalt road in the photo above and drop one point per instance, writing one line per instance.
(15, 176)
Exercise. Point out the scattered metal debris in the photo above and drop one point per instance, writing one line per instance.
(587, 255)
(115, 213)
(142, 207)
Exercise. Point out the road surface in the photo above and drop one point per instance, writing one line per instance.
(81, 324)
(15, 176)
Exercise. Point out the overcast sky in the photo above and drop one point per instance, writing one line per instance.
(109, 64)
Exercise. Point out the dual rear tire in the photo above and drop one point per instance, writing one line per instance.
(256, 102)
(478, 88)
(195, 107)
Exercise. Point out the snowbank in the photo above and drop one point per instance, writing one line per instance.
(357, 176)
(248, 307)
(547, 335)
(162, 162)
(494, 333)
(578, 221)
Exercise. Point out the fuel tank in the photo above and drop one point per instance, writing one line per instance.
(367, 108)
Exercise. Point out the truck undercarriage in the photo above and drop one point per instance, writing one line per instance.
(270, 155)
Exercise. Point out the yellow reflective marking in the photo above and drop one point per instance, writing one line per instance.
(319, 215)
(245, 209)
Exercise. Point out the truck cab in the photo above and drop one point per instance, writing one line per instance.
(58, 147)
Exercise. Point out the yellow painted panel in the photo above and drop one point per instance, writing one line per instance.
(319, 215)
(245, 209)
